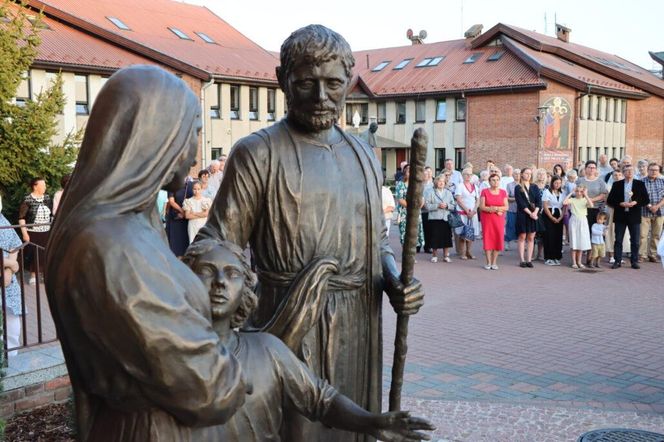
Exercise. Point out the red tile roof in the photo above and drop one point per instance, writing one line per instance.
(553, 66)
(451, 75)
(62, 46)
(231, 56)
(607, 64)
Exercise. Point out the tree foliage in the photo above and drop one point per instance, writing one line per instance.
(27, 130)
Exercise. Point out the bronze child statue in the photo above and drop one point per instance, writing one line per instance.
(281, 382)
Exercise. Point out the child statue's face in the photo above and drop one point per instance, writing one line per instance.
(221, 272)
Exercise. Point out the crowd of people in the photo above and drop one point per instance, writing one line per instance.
(600, 209)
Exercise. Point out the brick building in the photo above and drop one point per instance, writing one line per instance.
(510, 95)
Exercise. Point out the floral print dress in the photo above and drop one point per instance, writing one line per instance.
(401, 190)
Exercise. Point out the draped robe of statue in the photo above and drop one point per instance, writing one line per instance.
(312, 215)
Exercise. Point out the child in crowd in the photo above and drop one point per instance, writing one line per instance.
(569, 184)
(282, 384)
(579, 233)
(597, 234)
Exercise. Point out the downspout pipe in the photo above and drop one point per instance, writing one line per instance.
(204, 117)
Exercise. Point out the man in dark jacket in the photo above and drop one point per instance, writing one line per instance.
(627, 196)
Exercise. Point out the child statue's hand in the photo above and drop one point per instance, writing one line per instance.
(400, 426)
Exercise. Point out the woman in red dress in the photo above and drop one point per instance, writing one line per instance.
(493, 204)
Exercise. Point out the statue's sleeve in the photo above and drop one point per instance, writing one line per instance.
(302, 390)
(238, 202)
(145, 317)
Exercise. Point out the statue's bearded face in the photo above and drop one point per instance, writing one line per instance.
(316, 94)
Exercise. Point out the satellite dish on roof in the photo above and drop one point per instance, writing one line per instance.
(423, 34)
(409, 34)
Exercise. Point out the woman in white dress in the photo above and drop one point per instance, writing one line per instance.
(196, 210)
(467, 201)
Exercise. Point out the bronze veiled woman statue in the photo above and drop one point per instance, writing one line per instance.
(134, 322)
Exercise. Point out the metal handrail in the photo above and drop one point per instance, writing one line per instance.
(21, 279)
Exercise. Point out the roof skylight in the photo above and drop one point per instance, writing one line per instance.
(119, 23)
(402, 64)
(179, 33)
(495, 56)
(473, 58)
(430, 61)
(206, 38)
(380, 66)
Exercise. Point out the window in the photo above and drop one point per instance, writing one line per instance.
(235, 102)
(23, 91)
(82, 107)
(119, 23)
(616, 111)
(623, 115)
(401, 112)
(495, 56)
(271, 104)
(598, 106)
(420, 111)
(589, 103)
(253, 103)
(461, 109)
(179, 33)
(380, 66)
(473, 58)
(424, 62)
(206, 38)
(361, 108)
(382, 113)
(402, 64)
(441, 110)
(216, 152)
(440, 159)
(430, 61)
(215, 101)
(459, 158)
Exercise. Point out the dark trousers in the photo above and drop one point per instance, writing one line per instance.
(634, 238)
(553, 238)
(426, 227)
(592, 216)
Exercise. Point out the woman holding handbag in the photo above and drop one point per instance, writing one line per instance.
(439, 201)
(527, 211)
(552, 201)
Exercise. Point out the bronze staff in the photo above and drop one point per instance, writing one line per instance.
(418, 155)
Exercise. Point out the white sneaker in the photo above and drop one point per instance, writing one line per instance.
(494, 267)
(612, 260)
(434, 259)
(487, 267)
(557, 262)
(447, 259)
(549, 262)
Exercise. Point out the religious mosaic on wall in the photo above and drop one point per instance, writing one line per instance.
(557, 122)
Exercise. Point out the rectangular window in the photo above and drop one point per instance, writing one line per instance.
(206, 38)
(616, 111)
(592, 108)
(402, 64)
(435, 61)
(271, 104)
(440, 160)
(459, 158)
(179, 33)
(623, 115)
(495, 56)
(235, 102)
(473, 58)
(215, 101)
(461, 109)
(216, 152)
(253, 103)
(362, 110)
(441, 110)
(364, 113)
(119, 23)
(420, 111)
(380, 66)
(424, 62)
(601, 103)
(82, 106)
(401, 112)
(382, 113)
(23, 91)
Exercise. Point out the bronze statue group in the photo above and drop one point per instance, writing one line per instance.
(159, 348)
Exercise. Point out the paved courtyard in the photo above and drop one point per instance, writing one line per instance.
(533, 354)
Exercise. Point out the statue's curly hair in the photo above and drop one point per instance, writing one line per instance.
(315, 44)
(249, 298)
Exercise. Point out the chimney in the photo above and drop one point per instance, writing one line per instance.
(473, 31)
(562, 32)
